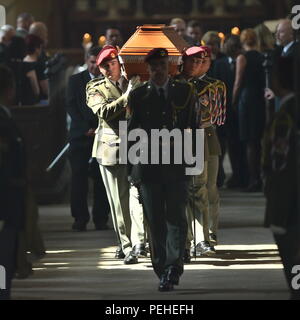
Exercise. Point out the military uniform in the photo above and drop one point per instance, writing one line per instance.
(164, 188)
(207, 199)
(107, 100)
(203, 192)
(104, 98)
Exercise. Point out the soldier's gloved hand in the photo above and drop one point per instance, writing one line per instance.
(136, 80)
(133, 83)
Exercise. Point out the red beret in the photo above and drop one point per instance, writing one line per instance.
(207, 51)
(107, 53)
(197, 52)
(156, 53)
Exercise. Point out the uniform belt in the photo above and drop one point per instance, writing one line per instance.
(110, 131)
(206, 125)
(114, 132)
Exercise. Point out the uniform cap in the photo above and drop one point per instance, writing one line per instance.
(156, 53)
(107, 53)
(197, 52)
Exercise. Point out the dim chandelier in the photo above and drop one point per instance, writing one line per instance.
(183, 145)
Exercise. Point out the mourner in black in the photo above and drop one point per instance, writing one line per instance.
(279, 164)
(12, 182)
(82, 132)
(163, 103)
(224, 70)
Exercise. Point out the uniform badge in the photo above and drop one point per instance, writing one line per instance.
(204, 100)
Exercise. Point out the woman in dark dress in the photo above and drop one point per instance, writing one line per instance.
(34, 46)
(248, 95)
(27, 88)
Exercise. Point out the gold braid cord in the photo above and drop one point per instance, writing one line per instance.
(213, 100)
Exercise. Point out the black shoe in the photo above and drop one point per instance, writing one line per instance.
(119, 253)
(205, 249)
(79, 226)
(173, 275)
(213, 239)
(193, 252)
(24, 271)
(101, 227)
(186, 256)
(140, 250)
(165, 285)
(131, 258)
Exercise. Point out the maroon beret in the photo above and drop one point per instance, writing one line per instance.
(107, 53)
(197, 52)
(156, 53)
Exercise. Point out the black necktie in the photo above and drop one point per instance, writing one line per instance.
(118, 87)
(162, 96)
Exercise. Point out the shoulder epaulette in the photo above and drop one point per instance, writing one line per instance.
(96, 81)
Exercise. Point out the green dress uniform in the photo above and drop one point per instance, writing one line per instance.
(164, 187)
(204, 195)
(107, 101)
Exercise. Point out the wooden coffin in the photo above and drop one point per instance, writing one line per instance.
(146, 38)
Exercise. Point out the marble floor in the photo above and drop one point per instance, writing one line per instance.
(81, 266)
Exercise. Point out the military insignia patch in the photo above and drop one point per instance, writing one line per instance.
(204, 100)
(112, 55)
